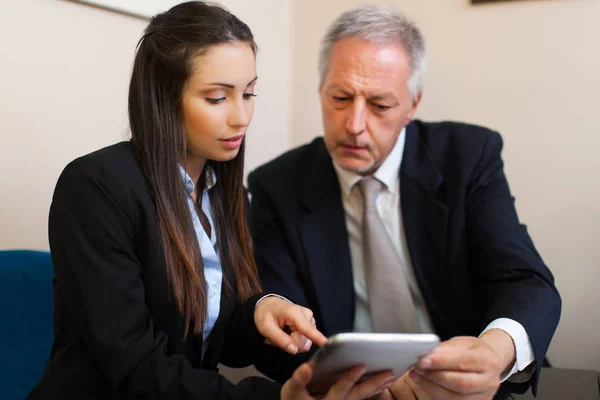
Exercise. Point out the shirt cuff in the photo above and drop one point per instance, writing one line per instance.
(523, 350)
(273, 295)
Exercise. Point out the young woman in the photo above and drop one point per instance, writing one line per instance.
(155, 277)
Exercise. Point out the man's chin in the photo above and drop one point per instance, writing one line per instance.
(359, 167)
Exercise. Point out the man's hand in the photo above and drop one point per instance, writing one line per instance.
(403, 389)
(465, 367)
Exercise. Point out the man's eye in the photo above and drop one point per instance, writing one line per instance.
(381, 107)
(214, 100)
(339, 99)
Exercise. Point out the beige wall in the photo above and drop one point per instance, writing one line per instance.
(530, 70)
(64, 73)
(63, 79)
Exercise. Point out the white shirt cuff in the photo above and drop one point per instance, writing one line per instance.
(273, 295)
(523, 349)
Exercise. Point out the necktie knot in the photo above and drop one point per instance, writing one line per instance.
(370, 188)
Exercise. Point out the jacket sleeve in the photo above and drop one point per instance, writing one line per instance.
(513, 280)
(278, 273)
(243, 343)
(93, 249)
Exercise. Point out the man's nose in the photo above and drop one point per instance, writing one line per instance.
(356, 119)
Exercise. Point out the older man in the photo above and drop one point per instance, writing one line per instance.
(389, 224)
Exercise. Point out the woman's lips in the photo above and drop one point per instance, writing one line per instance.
(232, 142)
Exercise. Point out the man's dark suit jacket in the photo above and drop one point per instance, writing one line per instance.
(473, 260)
(118, 334)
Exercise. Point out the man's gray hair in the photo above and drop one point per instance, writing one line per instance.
(378, 24)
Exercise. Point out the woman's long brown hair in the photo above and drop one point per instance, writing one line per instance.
(163, 63)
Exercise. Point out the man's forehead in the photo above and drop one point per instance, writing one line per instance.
(354, 52)
(374, 70)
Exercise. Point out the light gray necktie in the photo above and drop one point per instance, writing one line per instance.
(391, 304)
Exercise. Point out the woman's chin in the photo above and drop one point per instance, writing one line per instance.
(224, 156)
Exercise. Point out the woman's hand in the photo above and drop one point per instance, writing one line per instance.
(273, 314)
(347, 388)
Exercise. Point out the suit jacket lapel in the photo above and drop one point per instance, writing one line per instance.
(323, 233)
(425, 217)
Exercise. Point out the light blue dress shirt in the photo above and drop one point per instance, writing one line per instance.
(213, 274)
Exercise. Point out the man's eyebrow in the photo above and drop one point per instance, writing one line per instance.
(385, 96)
(382, 96)
(336, 88)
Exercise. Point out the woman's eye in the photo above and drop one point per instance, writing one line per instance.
(249, 95)
(213, 100)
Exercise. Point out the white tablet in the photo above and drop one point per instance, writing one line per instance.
(376, 351)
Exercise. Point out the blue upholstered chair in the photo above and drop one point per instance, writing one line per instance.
(26, 320)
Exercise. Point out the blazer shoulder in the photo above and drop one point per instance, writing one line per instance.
(457, 145)
(113, 170)
(459, 134)
(115, 164)
(289, 167)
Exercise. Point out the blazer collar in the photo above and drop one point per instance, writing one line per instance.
(425, 216)
(417, 165)
(323, 234)
(320, 185)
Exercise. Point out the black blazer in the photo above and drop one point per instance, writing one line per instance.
(473, 260)
(118, 334)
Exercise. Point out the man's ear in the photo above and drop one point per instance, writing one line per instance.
(415, 105)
